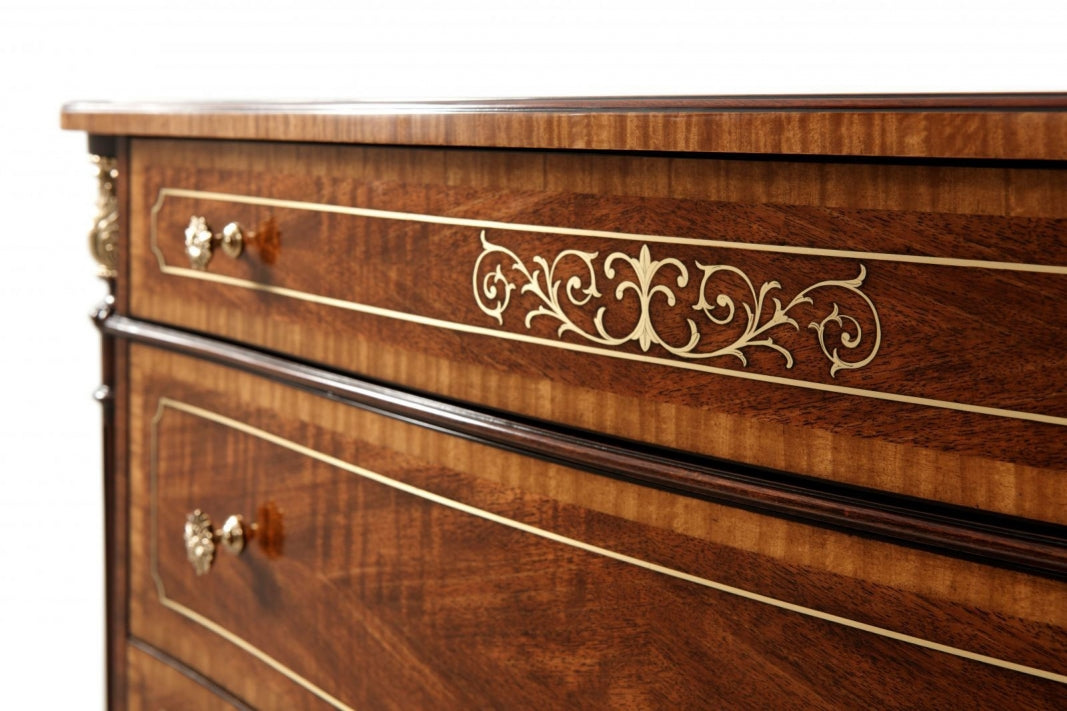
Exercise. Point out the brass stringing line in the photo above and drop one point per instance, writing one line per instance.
(582, 348)
(414, 318)
(189, 613)
(256, 652)
(597, 550)
(579, 232)
(154, 494)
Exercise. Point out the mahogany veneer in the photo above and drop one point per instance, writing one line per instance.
(744, 402)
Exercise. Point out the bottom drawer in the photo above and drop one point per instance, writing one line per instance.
(395, 566)
(155, 683)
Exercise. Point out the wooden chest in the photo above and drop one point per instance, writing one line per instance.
(663, 403)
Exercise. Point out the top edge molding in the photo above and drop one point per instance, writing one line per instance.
(949, 126)
(783, 102)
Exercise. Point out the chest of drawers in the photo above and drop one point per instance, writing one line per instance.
(665, 403)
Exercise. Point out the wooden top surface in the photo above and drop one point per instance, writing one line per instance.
(953, 126)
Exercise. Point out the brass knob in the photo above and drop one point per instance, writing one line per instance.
(201, 539)
(200, 241)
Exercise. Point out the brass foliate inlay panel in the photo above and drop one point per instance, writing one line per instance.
(654, 299)
(749, 320)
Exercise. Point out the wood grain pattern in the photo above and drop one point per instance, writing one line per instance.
(980, 126)
(125, 190)
(439, 606)
(114, 362)
(993, 331)
(116, 512)
(955, 531)
(668, 538)
(160, 683)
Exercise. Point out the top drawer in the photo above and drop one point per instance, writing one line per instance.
(897, 326)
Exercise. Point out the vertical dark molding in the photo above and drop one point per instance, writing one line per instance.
(117, 476)
(120, 287)
(112, 395)
(105, 395)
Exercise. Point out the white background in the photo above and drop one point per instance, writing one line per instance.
(51, 51)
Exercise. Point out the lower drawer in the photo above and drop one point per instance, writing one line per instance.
(155, 682)
(395, 566)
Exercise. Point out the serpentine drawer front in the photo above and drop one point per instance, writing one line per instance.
(398, 567)
(743, 403)
(886, 326)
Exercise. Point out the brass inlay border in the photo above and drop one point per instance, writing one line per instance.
(165, 402)
(243, 644)
(581, 347)
(580, 232)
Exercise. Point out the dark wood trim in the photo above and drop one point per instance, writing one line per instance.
(191, 674)
(950, 126)
(114, 642)
(120, 287)
(114, 390)
(103, 145)
(1012, 542)
(113, 394)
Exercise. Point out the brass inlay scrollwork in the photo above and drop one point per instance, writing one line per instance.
(559, 297)
(584, 346)
(104, 235)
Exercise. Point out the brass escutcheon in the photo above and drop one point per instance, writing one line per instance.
(201, 539)
(200, 241)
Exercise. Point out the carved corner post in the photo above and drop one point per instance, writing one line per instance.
(103, 245)
(104, 238)
(104, 235)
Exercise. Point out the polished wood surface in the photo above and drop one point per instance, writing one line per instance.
(996, 331)
(1019, 127)
(116, 511)
(158, 682)
(431, 596)
(960, 532)
(116, 421)
(462, 507)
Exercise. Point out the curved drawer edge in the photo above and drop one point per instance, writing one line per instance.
(1022, 544)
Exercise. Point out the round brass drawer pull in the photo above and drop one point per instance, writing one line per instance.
(201, 539)
(200, 241)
